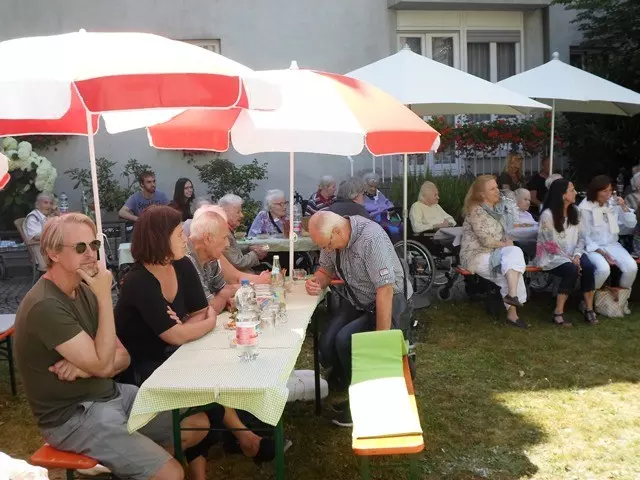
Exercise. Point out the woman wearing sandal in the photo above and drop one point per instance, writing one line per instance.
(560, 250)
(487, 251)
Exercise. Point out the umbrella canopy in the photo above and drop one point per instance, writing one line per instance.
(432, 88)
(4, 171)
(573, 90)
(320, 113)
(83, 74)
(121, 71)
(570, 89)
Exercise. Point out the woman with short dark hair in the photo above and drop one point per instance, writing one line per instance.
(602, 221)
(560, 249)
(162, 305)
(183, 196)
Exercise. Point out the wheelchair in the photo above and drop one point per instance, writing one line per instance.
(431, 263)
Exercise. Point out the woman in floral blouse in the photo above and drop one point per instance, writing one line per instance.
(560, 249)
(487, 251)
(271, 220)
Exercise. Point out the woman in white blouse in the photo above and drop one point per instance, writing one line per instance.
(602, 220)
(560, 249)
(427, 214)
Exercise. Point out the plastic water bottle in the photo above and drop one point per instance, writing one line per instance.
(64, 203)
(83, 203)
(620, 182)
(297, 218)
(246, 322)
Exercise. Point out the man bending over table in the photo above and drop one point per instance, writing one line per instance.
(68, 352)
(360, 252)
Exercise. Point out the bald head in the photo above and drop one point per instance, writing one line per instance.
(329, 230)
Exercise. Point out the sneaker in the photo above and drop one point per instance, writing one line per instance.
(626, 310)
(340, 406)
(343, 419)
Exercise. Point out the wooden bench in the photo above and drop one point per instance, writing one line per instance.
(49, 457)
(389, 367)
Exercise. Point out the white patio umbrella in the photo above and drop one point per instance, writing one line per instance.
(320, 113)
(433, 88)
(570, 89)
(82, 74)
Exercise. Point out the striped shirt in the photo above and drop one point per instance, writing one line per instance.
(369, 261)
(317, 202)
(210, 274)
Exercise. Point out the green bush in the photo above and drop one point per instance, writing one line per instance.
(222, 176)
(452, 191)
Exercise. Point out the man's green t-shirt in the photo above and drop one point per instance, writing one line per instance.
(47, 318)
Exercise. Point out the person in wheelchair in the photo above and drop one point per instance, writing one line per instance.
(426, 214)
(377, 293)
(374, 200)
(350, 200)
(487, 250)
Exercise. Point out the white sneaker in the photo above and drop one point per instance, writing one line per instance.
(95, 471)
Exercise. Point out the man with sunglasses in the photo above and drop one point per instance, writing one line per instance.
(376, 290)
(68, 353)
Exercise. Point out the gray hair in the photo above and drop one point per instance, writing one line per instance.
(635, 181)
(326, 180)
(271, 196)
(552, 178)
(208, 222)
(371, 176)
(43, 195)
(426, 187)
(520, 192)
(351, 188)
(201, 202)
(230, 200)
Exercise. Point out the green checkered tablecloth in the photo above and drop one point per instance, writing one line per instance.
(209, 370)
(302, 244)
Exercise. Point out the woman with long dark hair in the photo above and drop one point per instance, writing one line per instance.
(561, 249)
(183, 196)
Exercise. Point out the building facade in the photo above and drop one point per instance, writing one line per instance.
(492, 39)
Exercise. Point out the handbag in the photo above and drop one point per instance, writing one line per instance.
(605, 303)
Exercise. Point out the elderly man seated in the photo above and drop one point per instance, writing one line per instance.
(208, 239)
(427, 214)
(350, 200)
(36, 218)
(324, 197)
(377, 290)
(523, 202)
(243, 261)
(271, 219)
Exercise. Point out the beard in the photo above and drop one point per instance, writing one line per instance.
(90, 269)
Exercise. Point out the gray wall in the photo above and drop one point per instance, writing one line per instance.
(332, 35)
(562, 33)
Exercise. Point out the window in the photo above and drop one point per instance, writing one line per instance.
(587, 58)
(212, 45)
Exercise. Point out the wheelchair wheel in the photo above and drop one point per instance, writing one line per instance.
(418, 256)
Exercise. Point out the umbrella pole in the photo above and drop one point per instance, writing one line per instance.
(291, 218)
(553, 133)
(404, 207)
(94, 185)
(373, 163)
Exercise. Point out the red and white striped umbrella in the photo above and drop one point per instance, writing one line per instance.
(81, 75)
(320, 113)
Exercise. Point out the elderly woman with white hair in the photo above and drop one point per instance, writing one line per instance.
(426, 214)
(324, 197)
(271, 220)
(374, 200)
(523, 202)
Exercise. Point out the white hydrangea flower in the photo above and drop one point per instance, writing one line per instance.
(25, 145)
(24, 153)
(9, 143)
(11, 153)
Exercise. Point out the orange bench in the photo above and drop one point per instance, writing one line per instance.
(49, 457)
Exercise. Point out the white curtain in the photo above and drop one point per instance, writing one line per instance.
(506, 60)
(479, 64)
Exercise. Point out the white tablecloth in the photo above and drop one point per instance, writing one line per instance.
(208, 370)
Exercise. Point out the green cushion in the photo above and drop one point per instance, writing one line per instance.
(377, 355)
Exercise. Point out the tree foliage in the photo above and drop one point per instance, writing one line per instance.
(604, 143)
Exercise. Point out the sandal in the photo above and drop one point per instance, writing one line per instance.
(561, 322)
(590, 317)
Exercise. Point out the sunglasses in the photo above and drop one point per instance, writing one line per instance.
(81, 247)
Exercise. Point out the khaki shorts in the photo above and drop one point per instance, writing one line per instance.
(99, 430)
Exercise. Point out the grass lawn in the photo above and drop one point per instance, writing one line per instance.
(495, 402)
